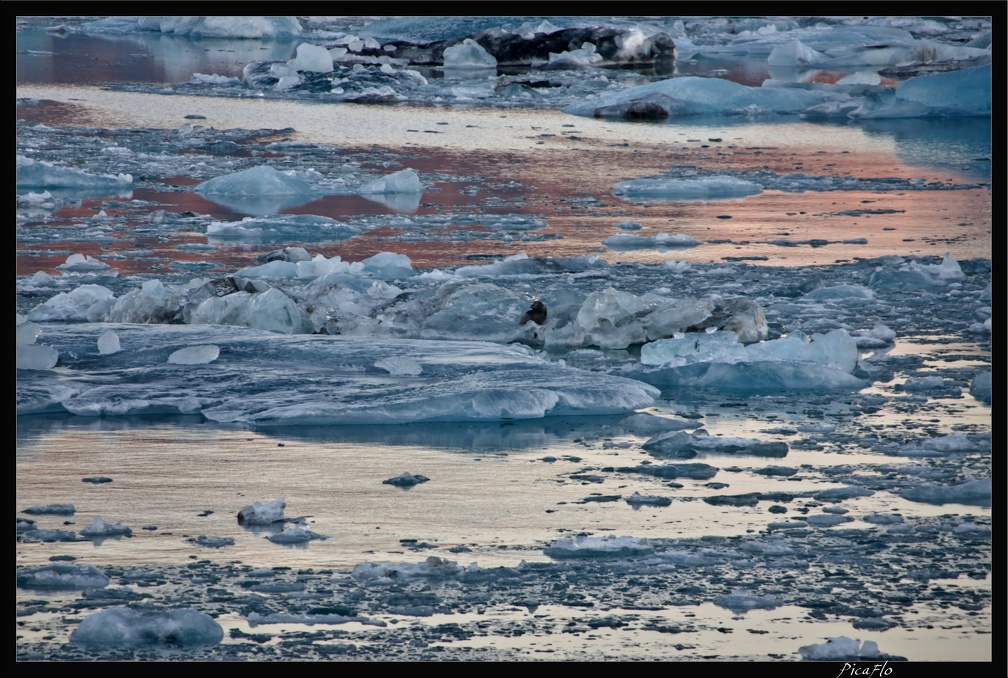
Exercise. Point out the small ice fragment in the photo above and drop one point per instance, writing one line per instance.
(108, 343)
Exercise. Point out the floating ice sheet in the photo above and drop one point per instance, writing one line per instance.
(267, 379)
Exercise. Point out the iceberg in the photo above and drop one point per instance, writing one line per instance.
(599, 547)
(687, 96)
(36, 357)
(403, 181)
(740, 601)
(31, 173)
(245, 27)
(628, 241)
(468, 54)
(71, 306)
(682, 445)
(258, 513)
(838, 649)
(281, 228)
(294, 535)
(431, 568)
(194, 355)
(980, 388)
(715, 361)
(718, 187)
(966, 92)
(108, 343)
(80, 263)
(971, 492)
(312, 59)
(259, 190)
(62, 576)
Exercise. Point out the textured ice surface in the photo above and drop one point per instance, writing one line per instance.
(269, 379)
(147, 626)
